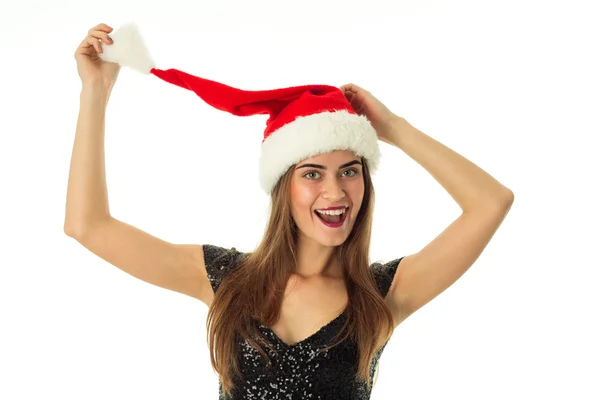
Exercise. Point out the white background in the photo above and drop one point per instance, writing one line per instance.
(513, 86)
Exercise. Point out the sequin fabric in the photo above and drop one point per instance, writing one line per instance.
(301, 370)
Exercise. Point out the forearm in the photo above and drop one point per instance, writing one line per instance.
(87, 196)
(470, 186)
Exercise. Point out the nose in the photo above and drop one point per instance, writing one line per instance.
(333, 190)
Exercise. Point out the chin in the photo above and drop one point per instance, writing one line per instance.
(331, 239)
(321, 235)
(331, 242)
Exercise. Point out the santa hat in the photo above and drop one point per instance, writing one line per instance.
(303, 120)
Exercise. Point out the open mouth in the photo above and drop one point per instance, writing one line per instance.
(333, 219)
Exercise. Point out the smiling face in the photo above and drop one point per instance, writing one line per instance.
(327, 180)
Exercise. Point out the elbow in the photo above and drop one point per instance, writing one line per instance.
(504, 198)
(75, 230)
(71, 230)
(509, 198)
(79, 228)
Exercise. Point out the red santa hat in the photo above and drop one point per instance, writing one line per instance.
(303, 120)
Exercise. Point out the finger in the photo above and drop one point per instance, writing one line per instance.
(85, 48)
(94, 43)
(102, 36)
(354, 88)
(349, 91)
(101, 27)
(349, 87)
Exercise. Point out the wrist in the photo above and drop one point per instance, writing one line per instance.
(96, 89)
(394, 123)
(396, 129)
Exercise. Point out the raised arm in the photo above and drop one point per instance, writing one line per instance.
(177, 267)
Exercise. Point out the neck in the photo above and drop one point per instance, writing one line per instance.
(316, 260)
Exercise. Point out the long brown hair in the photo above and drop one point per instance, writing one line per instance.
(255, 288)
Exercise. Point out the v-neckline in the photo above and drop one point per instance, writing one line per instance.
(310, 337)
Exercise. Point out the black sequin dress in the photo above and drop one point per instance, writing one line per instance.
(298, 371)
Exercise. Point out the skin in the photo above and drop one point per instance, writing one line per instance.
(315, 188)
(421, 276)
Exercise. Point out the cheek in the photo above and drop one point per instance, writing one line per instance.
(303, 197)
(356, 194)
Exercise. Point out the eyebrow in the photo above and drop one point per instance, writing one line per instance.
(325, 168)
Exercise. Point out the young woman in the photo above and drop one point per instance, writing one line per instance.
(305, 315)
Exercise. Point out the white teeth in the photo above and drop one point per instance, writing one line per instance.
(332, 212)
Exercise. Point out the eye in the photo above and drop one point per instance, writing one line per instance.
(353, 170)
(310, 172)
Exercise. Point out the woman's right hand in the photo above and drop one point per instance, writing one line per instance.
(92, 69)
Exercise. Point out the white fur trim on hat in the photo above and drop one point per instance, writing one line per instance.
(128, 49)
(315, 134)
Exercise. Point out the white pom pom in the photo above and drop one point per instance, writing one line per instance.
(128, 49)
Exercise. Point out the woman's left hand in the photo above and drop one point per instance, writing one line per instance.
(364, 103)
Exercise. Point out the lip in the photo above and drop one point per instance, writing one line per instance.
(334, 224)
(332, 208)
